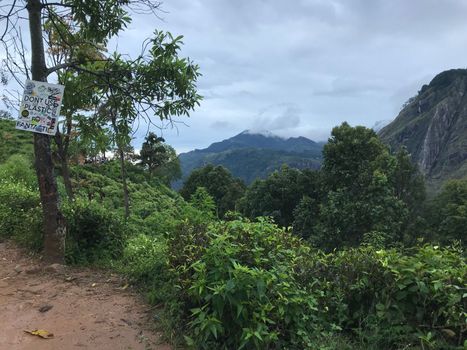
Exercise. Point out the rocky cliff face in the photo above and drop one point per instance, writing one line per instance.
(433, 127)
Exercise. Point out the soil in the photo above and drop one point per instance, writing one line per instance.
(83, 308)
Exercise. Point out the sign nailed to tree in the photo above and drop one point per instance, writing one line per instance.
(40, 107)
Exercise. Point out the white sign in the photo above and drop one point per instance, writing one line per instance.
(40, 107)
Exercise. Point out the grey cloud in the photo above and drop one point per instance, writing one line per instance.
(277, 117)
(342, 87)
(220, 125)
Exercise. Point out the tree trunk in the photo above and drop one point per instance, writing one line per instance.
(63, 154)
(126, 197)
(121, 154)
(54, 223)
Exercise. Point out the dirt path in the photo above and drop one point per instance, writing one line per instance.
(86, 310)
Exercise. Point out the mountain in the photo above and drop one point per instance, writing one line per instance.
(433, 127)
(250, 155)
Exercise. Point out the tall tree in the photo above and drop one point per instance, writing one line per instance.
(153, 153)
(159, 158)
(156, 83)
(360, 201)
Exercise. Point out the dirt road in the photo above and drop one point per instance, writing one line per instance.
(84, 309)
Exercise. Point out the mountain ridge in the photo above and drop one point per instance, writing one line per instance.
(250, 155)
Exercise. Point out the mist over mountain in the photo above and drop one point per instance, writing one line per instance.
(380, 124)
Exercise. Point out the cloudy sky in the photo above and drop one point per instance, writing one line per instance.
(300, 67)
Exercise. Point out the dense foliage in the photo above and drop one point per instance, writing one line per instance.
(363, 193)
(20, 209)
(13, 142)
(220, 184)
(279, 194)
(447, 212)
(252, 285)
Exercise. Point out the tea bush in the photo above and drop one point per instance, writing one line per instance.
(20, 214)
(94, 233)
(389, 298)
(18, 169)
(425, 294)
(238, 289)
(20, 209)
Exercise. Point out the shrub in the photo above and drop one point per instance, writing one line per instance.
(94, 233)
(425, 295)
(20, 214)
(238, 288)
(144, 261)
(18, 169)
(391, 298)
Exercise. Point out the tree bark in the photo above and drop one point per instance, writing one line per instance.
(63, 145)
(63, 154)
(54, 223)
(126, 196)
(121, 154)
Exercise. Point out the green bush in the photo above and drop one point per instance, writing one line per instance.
(389, 299)
(18, 169)
(237, 287)
(425, 296)
(20, 214)
(145, 262)
(94, 233)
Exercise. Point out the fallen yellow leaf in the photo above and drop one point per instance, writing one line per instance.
(41, 333)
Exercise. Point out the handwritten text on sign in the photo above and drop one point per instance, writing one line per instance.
(40, 107)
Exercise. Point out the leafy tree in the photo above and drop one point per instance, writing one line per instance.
(409, 187)
(220, 184)
(360, 198)
(408, 182)
(171, 170)
(306, 215)
(68, 44)
(159, 159)
(153, 153)
(279, 194)
(156, 83)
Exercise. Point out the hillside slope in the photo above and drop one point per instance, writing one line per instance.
(433, 127)
(14, 141)
(251, 155)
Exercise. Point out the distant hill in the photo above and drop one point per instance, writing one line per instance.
(251, 155)
(433, 127)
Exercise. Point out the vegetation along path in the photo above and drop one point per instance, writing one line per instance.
(84, 309)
